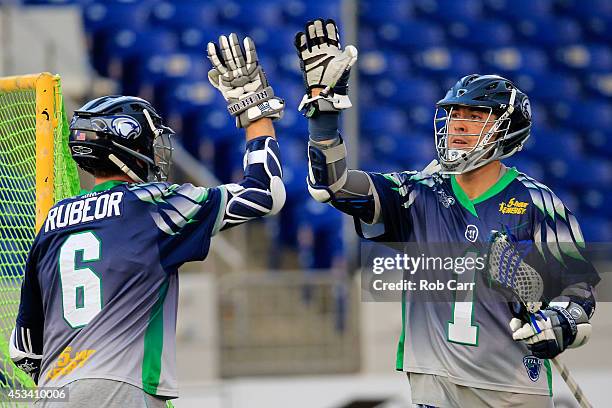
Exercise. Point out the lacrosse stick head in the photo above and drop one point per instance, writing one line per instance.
(508, 270)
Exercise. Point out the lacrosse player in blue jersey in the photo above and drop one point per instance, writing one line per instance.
(456, 354)
(99, 297)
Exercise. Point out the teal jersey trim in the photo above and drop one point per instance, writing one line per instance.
(107, 185)
(154, 344)
(495, 189)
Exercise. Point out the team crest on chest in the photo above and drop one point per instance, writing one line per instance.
(533, 365)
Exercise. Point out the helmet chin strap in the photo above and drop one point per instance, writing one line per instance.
(124, 168)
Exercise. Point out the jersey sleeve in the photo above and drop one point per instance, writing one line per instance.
(393, 191)
(561, 245)
(186, 218)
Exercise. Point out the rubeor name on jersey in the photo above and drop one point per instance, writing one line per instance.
(86, 209)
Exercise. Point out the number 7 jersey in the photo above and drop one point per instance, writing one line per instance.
(102, 279)
(468, 340)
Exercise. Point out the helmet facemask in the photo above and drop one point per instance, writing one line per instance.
(493, 131)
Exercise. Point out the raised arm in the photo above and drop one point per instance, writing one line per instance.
(236, 73)
(326, 70)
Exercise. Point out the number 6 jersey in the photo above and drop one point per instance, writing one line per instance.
(101, 278)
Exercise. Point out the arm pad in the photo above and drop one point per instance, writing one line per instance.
(261, 192)
(329, 180)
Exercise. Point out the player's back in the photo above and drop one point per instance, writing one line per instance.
(106, 266)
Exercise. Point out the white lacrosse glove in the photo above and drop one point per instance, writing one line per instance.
(242, 81)
(553, 329)
(324, 65)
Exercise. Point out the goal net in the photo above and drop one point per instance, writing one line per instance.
(36, 171)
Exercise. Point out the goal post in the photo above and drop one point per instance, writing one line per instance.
(36, 170)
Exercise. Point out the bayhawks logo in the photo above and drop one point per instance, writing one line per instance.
(533, 365)
(126, 127)
(471, 233)
(445, 199)
(526, 108)
(513, 207)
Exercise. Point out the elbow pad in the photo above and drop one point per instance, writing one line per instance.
(327, 171)
(262, 192)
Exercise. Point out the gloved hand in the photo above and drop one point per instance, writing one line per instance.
(24, 357)
(553, 329)
(324, 65)
(236, 73)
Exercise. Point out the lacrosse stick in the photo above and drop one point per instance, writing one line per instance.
(508, 271)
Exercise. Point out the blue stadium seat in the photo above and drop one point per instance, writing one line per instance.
(569, 198)
(186, 96)
(128, 46)
(158, 68)
(525, 164)
(383, 63)
(102, 19)
(127, 43)
(251, 13)
(581, 173)
(594, 8)
(512, 60)
(596, 201)
(516, 9)
(50, 2)
(442, 61)
(300, 11)
(592, 114)
(381, 12)
(600, 28)
(405, 147)
(114, 14)
(185, 13)
(588, 57)
(481, 34)
(293, 122)
(550, 87)
(320, 240)
(382, 119)
(411, 35)
(596, 229)
(367, 38)
(276, 42)
(550, 31)
(380, 164)
(407, 91)
(546, 143)
(450, 11)
(194, 38)
(599, 141)
(215, 124)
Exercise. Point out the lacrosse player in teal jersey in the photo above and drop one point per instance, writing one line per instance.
(456, 354)
(99, 298)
